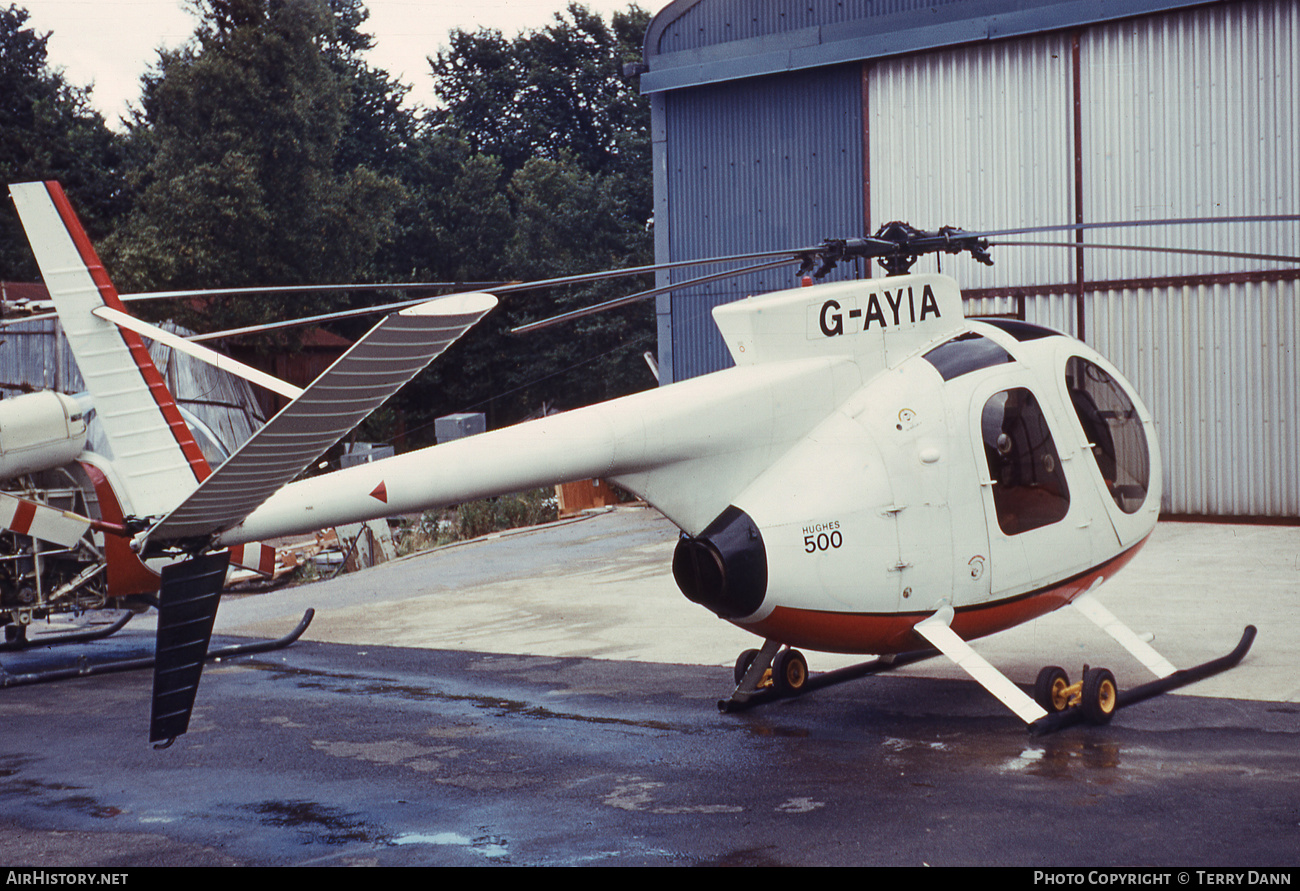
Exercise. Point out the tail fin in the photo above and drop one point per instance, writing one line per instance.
(153, 448)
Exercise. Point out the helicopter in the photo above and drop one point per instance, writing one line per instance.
(876, 474)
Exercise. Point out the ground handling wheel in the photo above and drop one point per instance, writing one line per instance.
(743, 661)
(789, 672)
(1052, 689)
(1100, 696)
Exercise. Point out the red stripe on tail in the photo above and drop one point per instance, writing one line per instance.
(161, 395)
(23, 516)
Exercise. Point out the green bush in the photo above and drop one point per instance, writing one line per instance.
(475, 518)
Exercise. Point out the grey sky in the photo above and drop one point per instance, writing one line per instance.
(110, 43)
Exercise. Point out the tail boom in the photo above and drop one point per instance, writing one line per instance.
(636, 442)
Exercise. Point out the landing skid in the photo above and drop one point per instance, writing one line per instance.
(748, 694)
(762, 678)
(1074, 715)
(19, 641)
(85, 669)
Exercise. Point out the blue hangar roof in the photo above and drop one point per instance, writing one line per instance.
(695, 42)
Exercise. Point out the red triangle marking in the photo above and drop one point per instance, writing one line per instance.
(381, 492)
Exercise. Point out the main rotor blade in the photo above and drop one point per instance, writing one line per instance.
(311, 320)
(507, 289)
(306, 289)
(632, 298)
(642, 295)
(284, 289)
(491, 287)
(1157, 250)
(1186, 221)
(495, 287)
(865, 247)
(788, 256)
(404, 304)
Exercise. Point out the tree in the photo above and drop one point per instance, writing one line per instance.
(49, 131)
(562, 220)
(241, 179)
(566, 221)
(457, 219)
(537, 166)
(379, 132)
(554, 93)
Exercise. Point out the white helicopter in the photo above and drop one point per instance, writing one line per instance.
(877, 474)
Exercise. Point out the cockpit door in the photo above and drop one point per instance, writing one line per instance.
(1040, 509)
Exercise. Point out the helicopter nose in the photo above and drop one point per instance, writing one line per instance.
(724, 568)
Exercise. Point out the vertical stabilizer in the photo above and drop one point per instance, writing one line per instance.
(153, 449)
(187, 609)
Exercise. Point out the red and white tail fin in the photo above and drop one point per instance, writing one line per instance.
(153, 449)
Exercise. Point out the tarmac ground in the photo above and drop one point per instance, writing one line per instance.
(547, 697)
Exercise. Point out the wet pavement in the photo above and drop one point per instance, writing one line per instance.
(330, 754)
(342, 751)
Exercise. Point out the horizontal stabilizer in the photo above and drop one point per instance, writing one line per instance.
(375, 368)
(202, 353)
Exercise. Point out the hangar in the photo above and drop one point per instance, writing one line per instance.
(782, 123)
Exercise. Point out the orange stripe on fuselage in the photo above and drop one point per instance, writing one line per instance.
(881, 634)
(153, 380)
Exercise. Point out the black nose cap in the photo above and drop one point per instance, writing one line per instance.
(724, 567)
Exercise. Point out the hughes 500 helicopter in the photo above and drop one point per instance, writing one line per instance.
(877, 474)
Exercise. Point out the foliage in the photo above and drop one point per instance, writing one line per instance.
(565, 221)
(549, 117)
(266, 151)
(476, 518)
(240, 179)
(554, 93)
(48, 131)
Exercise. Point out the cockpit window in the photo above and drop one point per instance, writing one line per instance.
(1029, 487)
(1114, 431)
(964, 354)
(1021, 331)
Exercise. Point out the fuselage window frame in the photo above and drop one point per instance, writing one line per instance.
(1028, 480)
(966, 353)
(1115, 433)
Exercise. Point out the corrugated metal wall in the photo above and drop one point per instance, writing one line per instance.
(776, 162)
(1198, 114)
(1192, 114)
(979, 138)
(1195, 115)
(36, 356)
(1217, 366)
(1184, 114)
